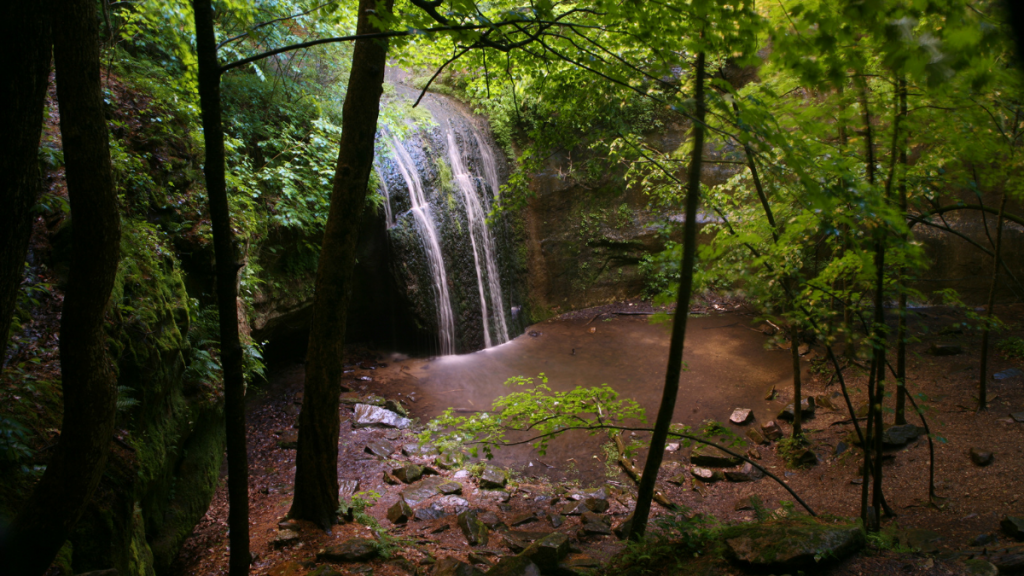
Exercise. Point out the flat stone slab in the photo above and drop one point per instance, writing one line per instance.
(367, 415)
(788, 545)
(492, 478)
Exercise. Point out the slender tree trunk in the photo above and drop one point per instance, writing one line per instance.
(645, 491)
(983, 376)
(901, 331)
(25, 35)
(227, 267)
(87, 378)
(316, 470)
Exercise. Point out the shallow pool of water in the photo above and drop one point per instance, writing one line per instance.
(729, 367)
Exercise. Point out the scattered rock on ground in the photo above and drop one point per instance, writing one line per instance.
(524, 518)
(548, 551)
(452, 566)
(901, 434)
(787, 545)
(707, 475)
(492, 477)
(1013, 526)
(408, 473)
(807, 406)
(1007, 374)
(705, 455)
(381, 448)
(514, 566)
(981, 457)
(400, 512)
(1018, 416)
(748, 473)
(771, 430)
(351, 550)
(980, 567)
(432, 512)
(367, 415)
(756, 436)
(473, 528)
(741, 416)
(926, 541)
(424, 489)
(983, 539)
(945, 349)
(449, 487)
(285, 538)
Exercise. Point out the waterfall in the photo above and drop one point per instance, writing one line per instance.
(480, 238)
(428, 234)
(388, 220)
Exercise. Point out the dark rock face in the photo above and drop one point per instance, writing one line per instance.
(351, 550)
(704, 455)
(771, 430)
(784, 546)
(408, 473)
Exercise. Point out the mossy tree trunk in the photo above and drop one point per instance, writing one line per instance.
(227, 267)
(88, 381)
(645, 492)
(25, 35)
(316, 462)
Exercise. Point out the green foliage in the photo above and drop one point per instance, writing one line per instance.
(672, 543)
(790, 448)
(537, 411)
(387, 545)
(14, 438)
(1012, 347)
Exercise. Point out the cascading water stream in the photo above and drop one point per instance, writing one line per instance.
(482, 241)
(431, 245)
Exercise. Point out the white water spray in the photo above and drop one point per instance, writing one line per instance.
(428, 234)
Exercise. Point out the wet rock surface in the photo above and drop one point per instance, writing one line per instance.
(473, 528)
(367, 415)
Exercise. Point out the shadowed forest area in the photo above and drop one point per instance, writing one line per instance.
(444, 287)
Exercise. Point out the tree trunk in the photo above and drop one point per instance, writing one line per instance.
(26, 33)
(316, 462)
(983, 377)
(901, 331)
(227, 266)
(645, 491)
(74, 471)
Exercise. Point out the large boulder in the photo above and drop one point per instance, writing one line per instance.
(807, 406)
(451, 566)
(791, 545)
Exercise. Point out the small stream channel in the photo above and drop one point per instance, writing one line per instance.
(729, 367)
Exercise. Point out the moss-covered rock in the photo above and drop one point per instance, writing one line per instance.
(791, 543)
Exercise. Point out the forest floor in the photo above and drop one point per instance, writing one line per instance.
(973, 498)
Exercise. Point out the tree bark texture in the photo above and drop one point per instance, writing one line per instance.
(227, 267)
(645, 491)
(88, 381)
(316, 470)
(901, 331)
(25, 35)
